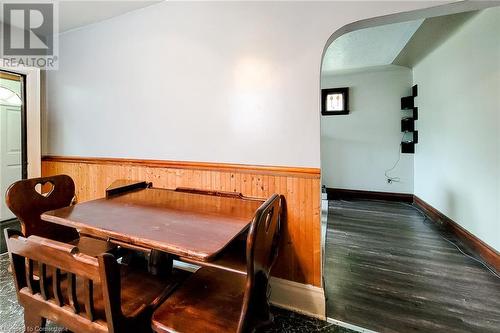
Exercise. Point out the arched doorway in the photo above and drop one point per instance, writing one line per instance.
(353, 302)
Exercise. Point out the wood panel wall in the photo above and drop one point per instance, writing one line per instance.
(300, 253)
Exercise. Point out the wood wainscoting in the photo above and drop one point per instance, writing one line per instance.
(300, 253)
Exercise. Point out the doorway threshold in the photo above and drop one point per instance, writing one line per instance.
(349, 326)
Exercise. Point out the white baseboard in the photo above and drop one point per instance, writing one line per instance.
(298, 297)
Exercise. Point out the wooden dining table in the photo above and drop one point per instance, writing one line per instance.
(191, 225)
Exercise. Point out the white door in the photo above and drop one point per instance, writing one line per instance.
(10, 152)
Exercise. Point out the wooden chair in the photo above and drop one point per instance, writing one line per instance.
(219, 300)
(85, 294)
(28, 204)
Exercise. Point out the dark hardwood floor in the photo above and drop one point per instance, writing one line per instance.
(388, 270)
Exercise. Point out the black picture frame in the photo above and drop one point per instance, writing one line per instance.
(345, 94)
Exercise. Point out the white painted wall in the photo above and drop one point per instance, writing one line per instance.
(206, 81)
(457, 168)
(357, 148)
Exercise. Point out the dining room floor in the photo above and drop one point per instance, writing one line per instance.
(389, 269)
(11, 314)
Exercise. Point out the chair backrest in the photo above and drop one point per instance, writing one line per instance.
(28, 204)
(261, 251)
(65, 276)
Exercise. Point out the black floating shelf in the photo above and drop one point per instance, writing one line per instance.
(407, 103)
(407, 125)
(415, 137)
(415, 113)
(408, 147)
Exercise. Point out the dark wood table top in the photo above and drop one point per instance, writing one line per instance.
(197, 226)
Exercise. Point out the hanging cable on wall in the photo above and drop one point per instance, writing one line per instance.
(390, 179)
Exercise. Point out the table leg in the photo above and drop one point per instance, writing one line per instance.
(160, 263)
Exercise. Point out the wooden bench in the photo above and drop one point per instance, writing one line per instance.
(220, 300)
(85, 294)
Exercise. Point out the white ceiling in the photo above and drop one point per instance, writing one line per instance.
(377, 46)
(75, 14)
